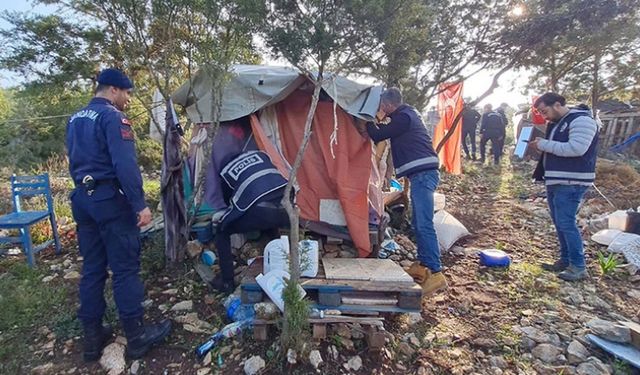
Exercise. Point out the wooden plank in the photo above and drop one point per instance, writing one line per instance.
(319, 331)
(260, 331)
(368, 300)
(635, 332)
(321, 283)
(375, 338)
(331, 319)
(364, 269)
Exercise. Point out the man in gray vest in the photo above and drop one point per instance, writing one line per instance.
(414, 158)
(567, 167)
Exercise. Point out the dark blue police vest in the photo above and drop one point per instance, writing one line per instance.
(253, 179)
(412, 151)
(576, 169)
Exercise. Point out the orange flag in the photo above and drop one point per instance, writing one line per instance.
(450, 106)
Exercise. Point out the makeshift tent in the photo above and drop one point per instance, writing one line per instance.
(265, 108)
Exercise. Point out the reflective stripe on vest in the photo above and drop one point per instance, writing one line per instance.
(418, 162)
(252, 176)
(570, 175)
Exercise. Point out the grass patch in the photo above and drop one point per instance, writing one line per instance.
(26, 305)
(152, 258)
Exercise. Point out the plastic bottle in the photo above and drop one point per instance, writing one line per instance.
(236, 310)
(230, 330)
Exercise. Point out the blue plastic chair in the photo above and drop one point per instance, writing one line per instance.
(29, 186)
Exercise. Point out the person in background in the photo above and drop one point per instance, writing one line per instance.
(491, 129)
(109, 208)
(414, 158)
(470, 118)
(567, 167)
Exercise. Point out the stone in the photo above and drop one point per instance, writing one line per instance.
(333, 352)
(354, 363)
(47, 279)
(170, 292)
(535, 334)
(498, 361)
(194, 248)
(343, 330)
(610, 330)
(266, 310)
(406, 349)
(414, 318)
(112, 360)
(347, 343)
(193, 324)
(576, 353)
(183, 306)
(206, 361)
(121, 340)
(135, 367)
(546, 352)
(292, 356)
(147, 303)
(485, 343)
(315, 358)
(413, 340)
(46, 369)
(73, 275)
(455, 353)
(592, 367)
(203, 371)
(253, 365)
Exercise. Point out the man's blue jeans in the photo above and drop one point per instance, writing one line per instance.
(564, 201)
(423, 185)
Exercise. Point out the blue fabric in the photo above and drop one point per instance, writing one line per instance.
(107, 236)
(116, 78)
(100, 143)
(564, 201)
(423, 185)
(572, 167)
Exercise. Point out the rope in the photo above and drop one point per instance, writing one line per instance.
(603, 196)
(333, 139)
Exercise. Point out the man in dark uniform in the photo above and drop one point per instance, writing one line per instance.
(109, 207)
(470, 118)
(414, 158)
(253, 189)
(492, 128)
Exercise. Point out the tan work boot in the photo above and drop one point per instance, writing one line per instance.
(435, 282)
(419, 272)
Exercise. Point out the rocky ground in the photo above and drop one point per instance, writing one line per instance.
(520, 320)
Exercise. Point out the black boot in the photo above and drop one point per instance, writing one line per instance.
(221, 285)
(95, 339)
(141, 338)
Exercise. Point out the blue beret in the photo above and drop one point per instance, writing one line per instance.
(114, 77)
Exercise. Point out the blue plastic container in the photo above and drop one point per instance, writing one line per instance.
(208, 257)
(494, 258)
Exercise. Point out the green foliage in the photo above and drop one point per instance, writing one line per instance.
(149, 154)
(152, 258)
(26, 304)
(151, 192)
(608, 264)
(296, 330)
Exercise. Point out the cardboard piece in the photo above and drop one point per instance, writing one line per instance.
(622, 351)
(521, 146)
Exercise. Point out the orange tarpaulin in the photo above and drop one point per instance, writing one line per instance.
(321, 176)
(450, 105)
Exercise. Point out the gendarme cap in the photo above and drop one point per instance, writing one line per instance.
(116, 78)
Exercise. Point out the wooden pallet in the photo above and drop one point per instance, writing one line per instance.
(348, 296)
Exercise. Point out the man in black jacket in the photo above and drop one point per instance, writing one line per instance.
(470, 119)
(492, 128)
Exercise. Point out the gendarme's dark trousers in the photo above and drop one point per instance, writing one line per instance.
(471, 133)
(496, 147)
(255, 218)
(108, 235)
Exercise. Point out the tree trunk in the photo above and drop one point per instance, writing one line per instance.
(595, 85)
(294, 211)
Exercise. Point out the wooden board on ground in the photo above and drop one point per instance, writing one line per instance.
(364, 269)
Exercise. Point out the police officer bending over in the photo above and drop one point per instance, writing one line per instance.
(108, 206)
(253, 189)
